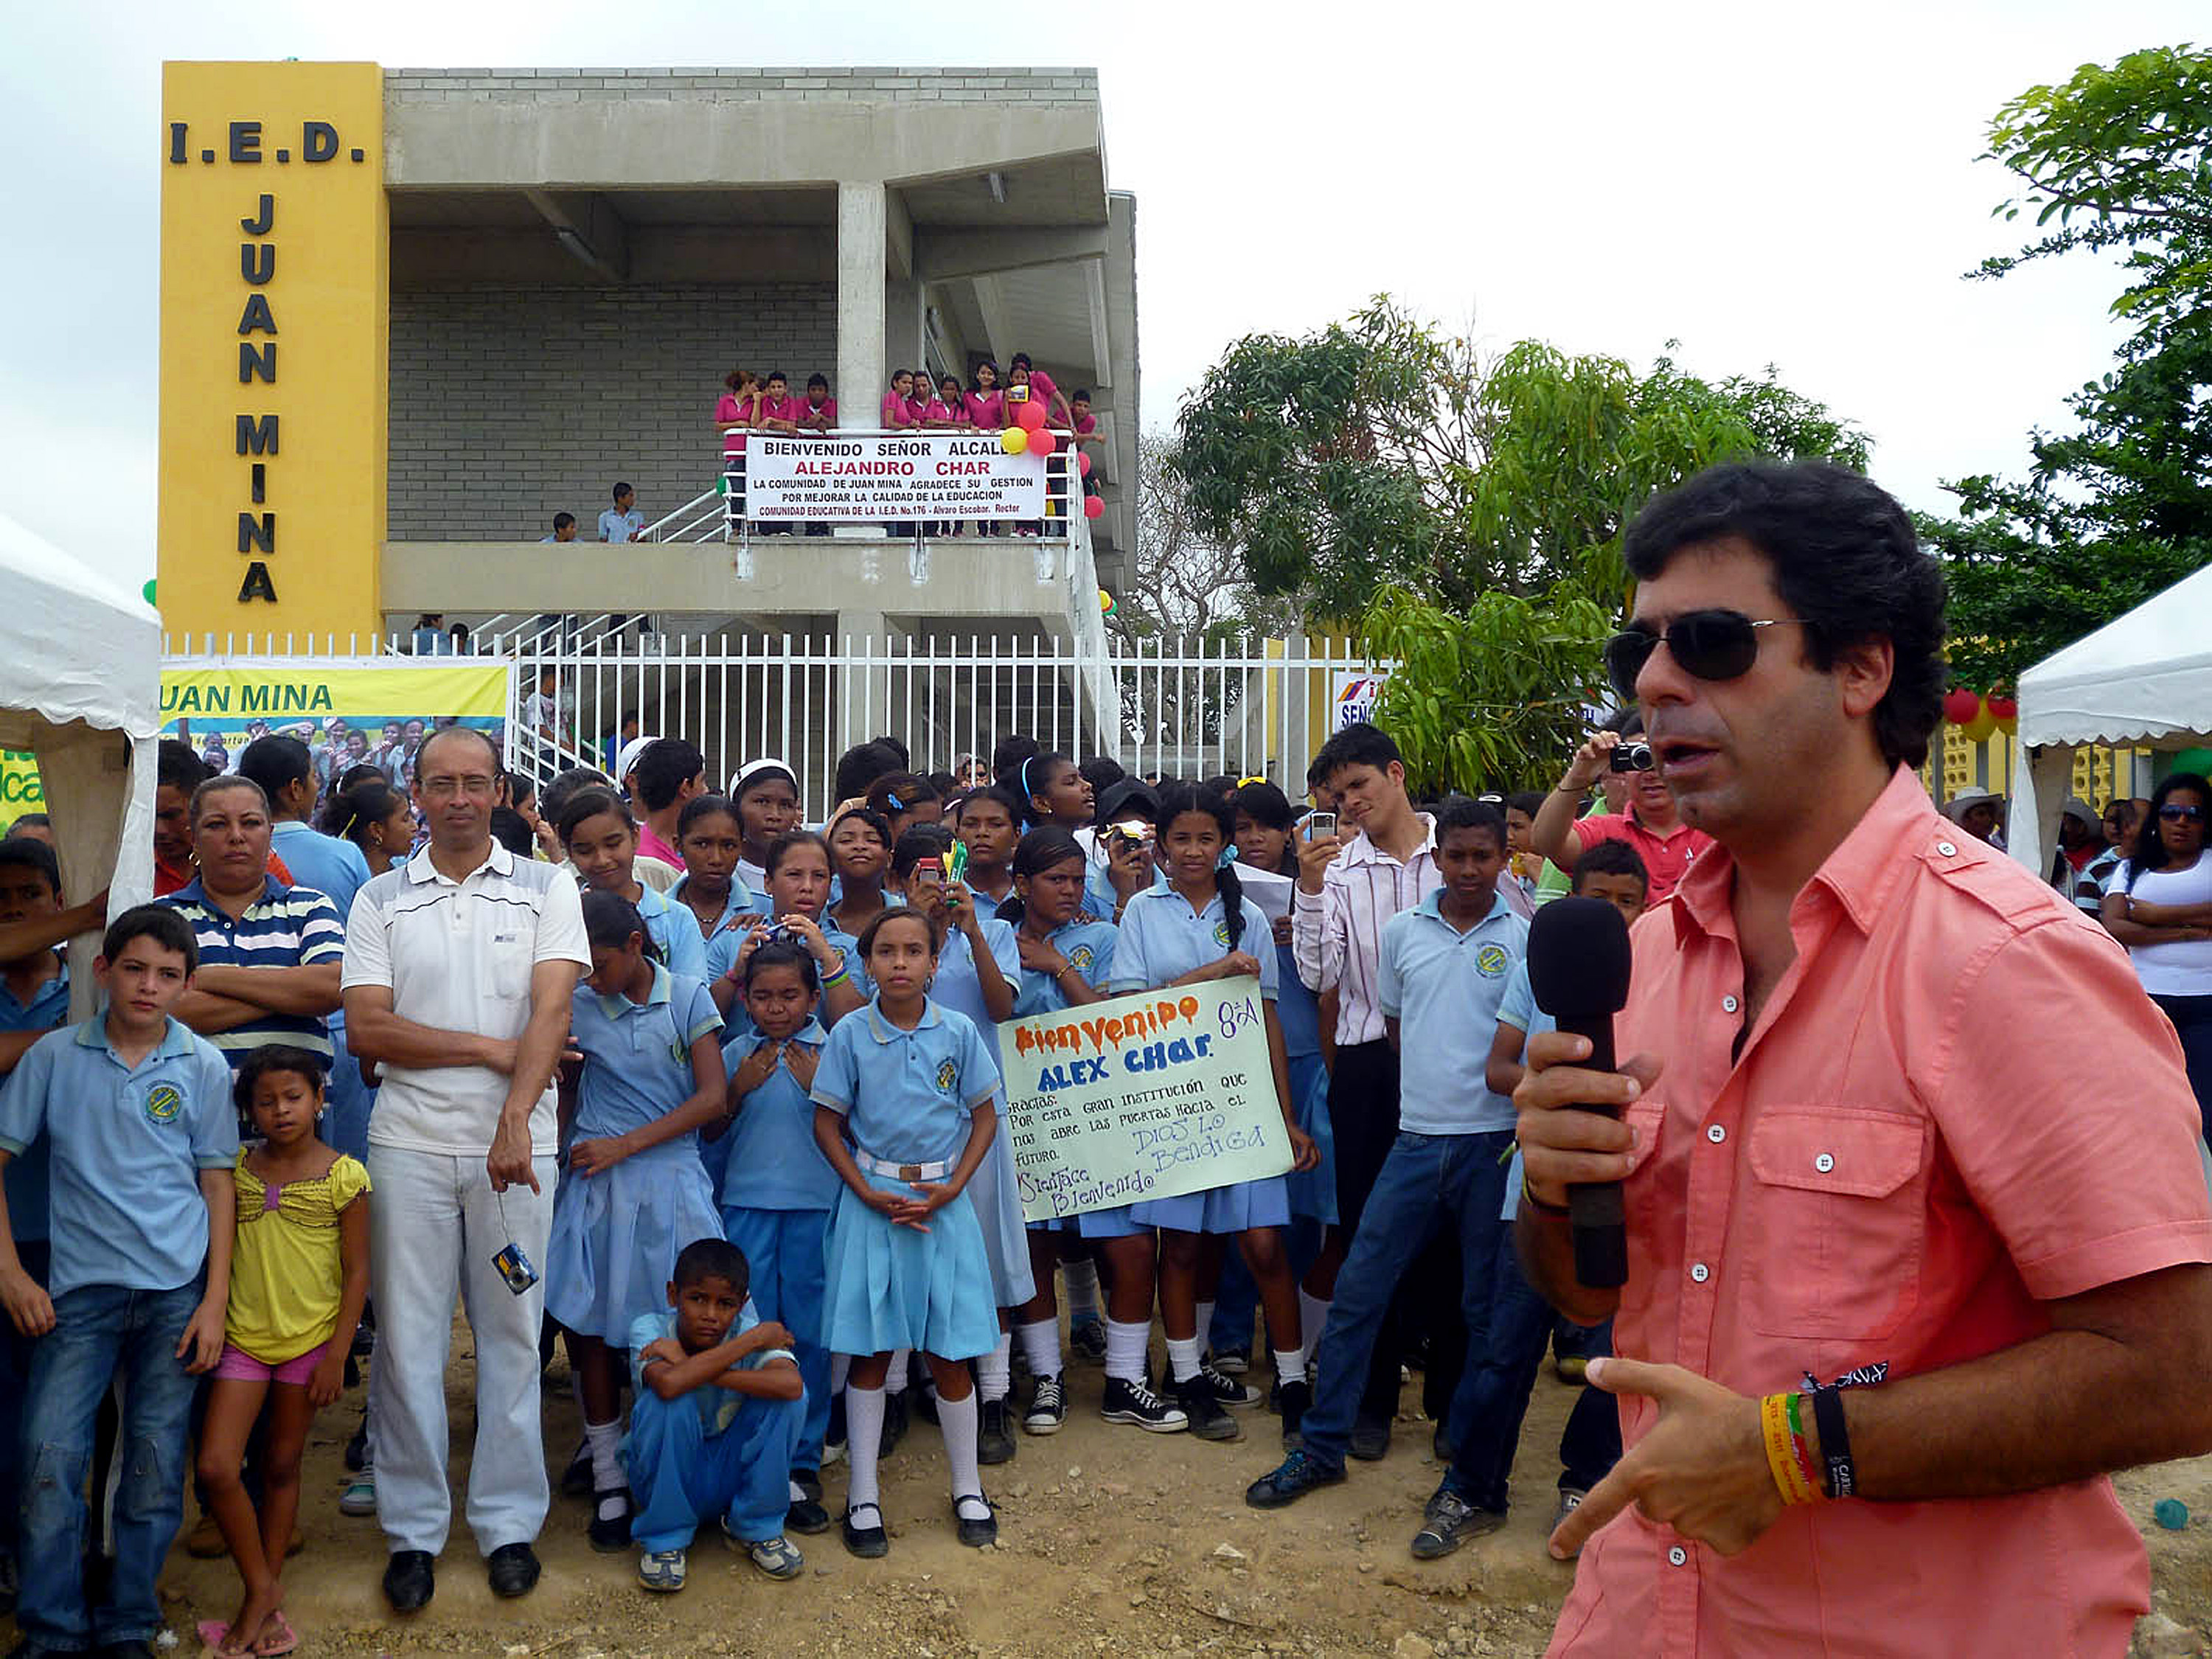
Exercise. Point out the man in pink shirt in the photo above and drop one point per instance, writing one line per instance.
(1651, 823)
(1857, 1152)
(669, 772)
(777, 412)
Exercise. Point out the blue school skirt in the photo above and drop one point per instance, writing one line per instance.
(997, 1195)
(616, 1234)
(1231, 1209)
(1313, 1195)
(891, 1287)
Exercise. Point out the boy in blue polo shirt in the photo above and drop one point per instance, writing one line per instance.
(1441, 968)
(136, 1113)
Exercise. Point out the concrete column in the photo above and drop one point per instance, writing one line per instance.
(861, 227)
(902, 328)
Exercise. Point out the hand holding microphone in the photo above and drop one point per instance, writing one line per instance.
(1574, 1149)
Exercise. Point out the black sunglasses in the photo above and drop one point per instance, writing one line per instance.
(1707, 645)
(2174, 813)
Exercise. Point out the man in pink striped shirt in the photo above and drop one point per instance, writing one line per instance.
(1346, 890)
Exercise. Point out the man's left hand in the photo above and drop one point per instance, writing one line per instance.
(508, 1164)
(201, 1345)
(1701, 1468)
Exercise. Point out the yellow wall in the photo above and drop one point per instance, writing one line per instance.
(322, 258)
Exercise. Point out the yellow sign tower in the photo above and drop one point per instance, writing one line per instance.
(275, 318)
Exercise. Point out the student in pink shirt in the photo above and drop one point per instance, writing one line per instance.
(737, 407)
(946, 412)
(777, 411)
(986, 404)
(897, 412)
(1019, 392)
(819, 412)
(1086, 441)
(1898, 1298)
(1056, 408)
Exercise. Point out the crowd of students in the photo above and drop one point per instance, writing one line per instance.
(783, 1217)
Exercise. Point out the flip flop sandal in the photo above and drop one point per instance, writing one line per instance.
(276, 1643)
(212, 1632)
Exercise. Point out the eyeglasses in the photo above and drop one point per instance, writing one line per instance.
(1707, 645)
(2174, 813)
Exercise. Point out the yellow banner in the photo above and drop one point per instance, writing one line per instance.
(364, 714)
(21, 788)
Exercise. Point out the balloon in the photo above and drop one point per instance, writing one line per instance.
(1041, 442)
(1959, 706)
(2006, 710)
(1084, 456)
(1029, 413)
(1105, 603)
(2198, 761)
(1093, 507)
(1982, 727)
(148, 590)
(1013, 441)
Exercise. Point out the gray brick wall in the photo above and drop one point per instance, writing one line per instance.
(1026, 85)
(510, 404)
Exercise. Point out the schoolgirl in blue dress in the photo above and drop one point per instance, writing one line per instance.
(795, 895)
(1065, 958)
(1200, 927)
(601, 838)
(632, 1194)
(707, 835)
(978, 967)
(988, 822)
(777, 1189)
(861, 853)
(906, 1095)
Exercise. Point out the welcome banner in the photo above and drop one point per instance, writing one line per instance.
(866, 478)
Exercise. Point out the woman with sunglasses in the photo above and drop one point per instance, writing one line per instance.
(2161, 908)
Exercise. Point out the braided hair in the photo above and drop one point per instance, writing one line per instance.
(1179, 799)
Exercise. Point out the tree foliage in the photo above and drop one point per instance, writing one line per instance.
(2113, 161)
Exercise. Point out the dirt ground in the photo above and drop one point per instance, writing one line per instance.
(1111, 1541)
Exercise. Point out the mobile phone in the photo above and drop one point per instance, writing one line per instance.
(956, 861)
(1632, 755)
(1320, 826)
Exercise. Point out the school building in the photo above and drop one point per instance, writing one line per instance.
(407, 315)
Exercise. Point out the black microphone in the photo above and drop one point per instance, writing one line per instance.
(1579, 967)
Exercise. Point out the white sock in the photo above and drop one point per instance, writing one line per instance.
(1313, 1315)
(956, 1420)
(798, 1493)
(995, 1371)
(605, 1441)
(1041, 1346)
(1182, 1358)
(1125, 1350)
(864, 1439)
(1082, 1280)
(1206, 1326)
(895, 1379)
(1290, 1365)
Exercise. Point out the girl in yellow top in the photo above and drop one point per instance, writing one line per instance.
(298, 1278)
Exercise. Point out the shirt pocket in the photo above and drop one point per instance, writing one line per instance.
(1836, 1222)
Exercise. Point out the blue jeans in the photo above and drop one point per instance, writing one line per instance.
(1427, 1182)
(784, 1249)
(1496, 1393)
(15, 1352)
(102, 1332)
(680, 1475)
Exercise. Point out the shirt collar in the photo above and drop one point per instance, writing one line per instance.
(810, 1034)
(1363, 850)
(420, 870)
(1898, 830)
(1432, 904)
(614, 1007)
(884, 1032)
(194, 892)
(176, 1039)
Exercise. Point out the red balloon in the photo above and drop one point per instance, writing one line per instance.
(2005, 709)
(1085, 455)
(1041, 442)
(1960, 706)
(1094, 507)
(1029, 413)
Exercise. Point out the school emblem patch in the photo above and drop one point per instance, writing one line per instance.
(1080, 959)
(163, 1102)
(1221, 933)
(1491, 961)
(947, 1075)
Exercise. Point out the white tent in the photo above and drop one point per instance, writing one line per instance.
(2145, 679)
(80, 688)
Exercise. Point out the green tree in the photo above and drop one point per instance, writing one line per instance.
(2114, 160)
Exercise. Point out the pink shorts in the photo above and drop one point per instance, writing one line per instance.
(237, 1362)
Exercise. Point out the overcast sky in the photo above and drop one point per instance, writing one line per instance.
(1767, 183)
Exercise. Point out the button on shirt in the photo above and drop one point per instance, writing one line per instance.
(285, 927)
(128, 1143)
(27, 1171)
(458, 956)
(1337, 934)
(1442, 987)
(1666, 858)
(907, 1095)
(1904, 1173)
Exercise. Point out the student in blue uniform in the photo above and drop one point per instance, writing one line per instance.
(1198, 928)
(1121, 862)
(860, 841)
(988, 822)
(1065, 960)
(601, 838)
(914, 1086)
(777, 1190)
(633, 1192)
(1054, 791)
(978, 967)
(710, 887)
(793, 904)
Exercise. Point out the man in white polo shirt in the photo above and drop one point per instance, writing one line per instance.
(459, 964)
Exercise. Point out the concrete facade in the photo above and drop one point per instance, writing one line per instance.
(510, 404)
(579, 255)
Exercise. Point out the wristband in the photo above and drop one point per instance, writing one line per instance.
(831, 982)
(1529, 1197)
(1798, 1448)
(1782, 1459)
(1841, 1476)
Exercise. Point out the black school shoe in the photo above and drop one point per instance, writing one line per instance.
(1208, 1421)
(895, 1422)
(994, 1433)
(977, 1534)
(609, 1533)
(409, 1580)
(1292, 1401)
(867, 1542)
(513, 1570)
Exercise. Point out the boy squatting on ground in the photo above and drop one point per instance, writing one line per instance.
(718, 1410)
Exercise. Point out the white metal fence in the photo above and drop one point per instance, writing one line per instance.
(1254, 707)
